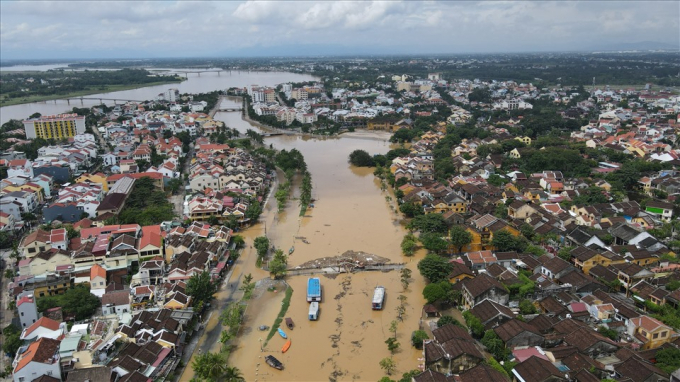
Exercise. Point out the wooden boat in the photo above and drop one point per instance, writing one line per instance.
(289, 323)
(305, 241)
(273, 362)
(286, 346)
(291, 250)
(282, 333)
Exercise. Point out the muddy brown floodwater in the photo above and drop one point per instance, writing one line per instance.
(350, 213)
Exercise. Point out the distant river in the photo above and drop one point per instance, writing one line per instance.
(206, 82)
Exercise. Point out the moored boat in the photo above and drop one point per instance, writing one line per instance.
(286, 346)
(273, 362)
(289, 323)
(282, 333)
(291, 250)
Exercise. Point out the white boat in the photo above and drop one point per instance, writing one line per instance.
(314, 311)
(378, 298)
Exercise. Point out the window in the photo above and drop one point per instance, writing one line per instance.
(664, 334)
(655, 336)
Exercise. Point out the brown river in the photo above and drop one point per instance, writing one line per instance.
(350, 213)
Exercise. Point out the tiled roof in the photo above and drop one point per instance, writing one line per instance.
(43, 350)
(43, 322)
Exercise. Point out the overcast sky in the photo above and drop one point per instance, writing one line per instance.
(110, 29)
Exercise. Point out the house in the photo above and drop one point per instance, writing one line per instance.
(459, 272)
(662, 210)
(151, 243)
(590, 342)
(39, 358)
(585, 258)
(117, 303)
(492, 314)
(650, 331)
(636, 370)
(90, 374)
(451, 349)
(555, 267)
(47, 261)
(518, 333)
(97, 280)
(481, 288)
(27, 310)
(536, 369)
(44, 327)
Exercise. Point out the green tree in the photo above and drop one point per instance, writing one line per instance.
(238, 241)
(434, 242)
(473, 323)
(418, 337)
(459, 237)
(278, 265)
(428, 223)
(405, 275)
(388, 365)
(209, 366)
(12, 339)
(609, 333)
(495, 345)
(668, 359)
(233, 374)
(201, 287)
(409, 244)
(410, 209)
(503, 240)
(446, 320)
(261, 244)
(392, 344)
(436, 291)
(361, 158)
(435, 268)
(527, 307)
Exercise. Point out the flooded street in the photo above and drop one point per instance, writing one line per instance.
(350, 213)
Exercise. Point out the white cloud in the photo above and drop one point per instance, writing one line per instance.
(206, 27)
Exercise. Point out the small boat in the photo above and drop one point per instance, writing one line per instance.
(289, 323)
(291, 250)
(286, 346)
(263, 327)
(305, 241)
(273, 362)
(282, 333)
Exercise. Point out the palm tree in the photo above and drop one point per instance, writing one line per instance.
(209, 366)
(233, 374)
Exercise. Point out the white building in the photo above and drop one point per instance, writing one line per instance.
(171, 95)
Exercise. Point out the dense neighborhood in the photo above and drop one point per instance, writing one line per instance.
(549, 215)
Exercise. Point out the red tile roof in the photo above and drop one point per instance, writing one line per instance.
(42, 322)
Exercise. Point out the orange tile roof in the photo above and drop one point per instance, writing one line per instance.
(44, 322)
(151, 235)
(40, 351)
(97, 270)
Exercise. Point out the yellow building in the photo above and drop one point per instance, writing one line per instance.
(30, 187)
(98, 178)
(652, 332)
(585, 258)
(525, 140)
(55, 126)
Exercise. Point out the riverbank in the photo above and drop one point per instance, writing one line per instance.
(105, 89)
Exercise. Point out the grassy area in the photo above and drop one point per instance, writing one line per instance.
(284, 308)
(4, 101)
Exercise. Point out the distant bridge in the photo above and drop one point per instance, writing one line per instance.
(231, 109)
(100, 99)
(187, 72)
